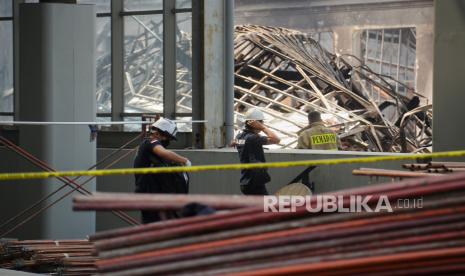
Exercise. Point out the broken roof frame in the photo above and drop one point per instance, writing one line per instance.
(285, 72)
(264, 54)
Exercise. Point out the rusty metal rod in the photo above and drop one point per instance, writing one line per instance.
(41, 210)
(387, 269)
(415, 167)
(206, 263)
(392, 173)
(253, 219)
(309, 239)
(265, 264)
(169, 223)
(324, 232)
(191, 252)
(346, 244)
(260, 229)
(37, 212)
(453, 268)
(45, 256)
(125, 201)
(241, 246)
(233, 266)
(67, 181)
(357, 262)
(447, 164)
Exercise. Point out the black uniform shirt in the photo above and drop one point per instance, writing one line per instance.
(250, 148)
(145, 155)
(146, 158)
(160, 182)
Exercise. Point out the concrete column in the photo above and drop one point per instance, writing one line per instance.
(214, 76)
(344, 40)
(169, 59)
(57, 73)
(229, 70)
(197, 75)
(425, 49)
(117, 63)
(448, 81)
(16, 57)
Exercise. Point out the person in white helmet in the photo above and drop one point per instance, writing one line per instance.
(152, 152)
(249, 144)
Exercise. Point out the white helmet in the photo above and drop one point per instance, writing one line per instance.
(254, 114)
(166, 126)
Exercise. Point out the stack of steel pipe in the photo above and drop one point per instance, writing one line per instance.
(413, 239)
(393, 173)
(414, 170)
(63, 257)
(436, 167)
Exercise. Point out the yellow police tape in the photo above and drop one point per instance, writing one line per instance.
(42, 175)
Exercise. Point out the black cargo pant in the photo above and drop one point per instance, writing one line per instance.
(160, 184)
(149, 217)
(144, 184)
(254, 189)
(253, 182)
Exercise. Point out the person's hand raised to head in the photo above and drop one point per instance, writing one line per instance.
(257, 125)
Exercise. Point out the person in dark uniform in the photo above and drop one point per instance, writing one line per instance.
(249, 145)
(152, 152)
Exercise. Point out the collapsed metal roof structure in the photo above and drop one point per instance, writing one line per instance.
(286, 73)
(143, 67)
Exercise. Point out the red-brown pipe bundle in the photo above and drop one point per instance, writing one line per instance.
(393, 173)
(63, 257)
(446, 166)
(248, 241)
(415, 170)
